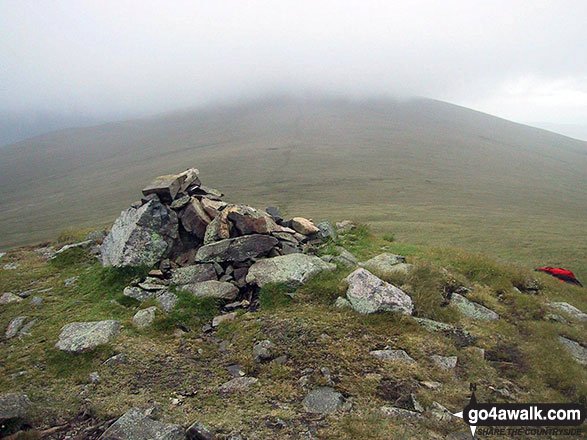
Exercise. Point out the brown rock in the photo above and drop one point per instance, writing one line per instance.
(304, 226)
(194, 218)
(166, 187)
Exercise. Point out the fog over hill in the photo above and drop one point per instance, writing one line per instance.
(429, 170)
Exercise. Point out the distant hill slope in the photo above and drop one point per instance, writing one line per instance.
(431, 171)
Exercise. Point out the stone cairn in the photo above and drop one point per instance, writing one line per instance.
(201, 244)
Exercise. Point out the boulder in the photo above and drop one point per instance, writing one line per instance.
(369, 294)
(323, 400)
(135, 425)
(193, 274)
(165, 187)
(386, 265)
(194, 219)
(472, 309)
(392, 355)
(578, 351)
(14, 326)
(570, 310)
(236, 249)
(9, 297)
(13, 405)
(140, 236)
(214, 289)
(77, 337)
(304, 226)
(327, 231)
(145, 317)
(293, 270)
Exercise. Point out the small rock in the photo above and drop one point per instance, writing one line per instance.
(223, 318)
(167, 301)
(26, 293)
(472, 309)
(387, 265)
(137, 293)
(13, 405)
(392, 355)
(14, 326)
(197, 431)
(327, 231)
(262, 351)
(82, 244)
(444, 362)
(401, 413)
(431, 385)
(345, 226)
(24, 331)
(323, 400)
(281, 359)
(77, 337)
(36, 301)
(9, 297)
(293, 270)
(134, 425)
(304, 226)
(70, 281)
(94, 377)
(144, 318)
(2, 254)
(461, 338)
(342, 303)
(440, 413)
(237, 384)
(236, 370)
(345, 258)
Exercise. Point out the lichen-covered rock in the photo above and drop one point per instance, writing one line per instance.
(263, 351)
(386, 265)
(14, 326)
(134, 425)
(193, 274)
(237, 249)
(461, 337)
(570, 310)
(327, 231)
(444, 362)
(140, 236)
(392, 355)
(293, 269)
(77, 337)
(369, 294)
(212, 288)
(13, 405)
(472, 309)
(323, 400)
(578, 351)
(145, 317)
(167, 301)
(344, 257)
(9, 297)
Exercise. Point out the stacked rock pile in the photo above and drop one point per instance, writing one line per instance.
(202, 244)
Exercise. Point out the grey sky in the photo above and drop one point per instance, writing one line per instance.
(522, 60)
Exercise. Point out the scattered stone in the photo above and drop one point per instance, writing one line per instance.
(167, 301)
(2, 254)
(323, 400)
(144, 318)
(461, 337)
(14, 326)
(77, 337)
(472, 309)
(223, 318)
(304, 226)
(36, 301)
(577, 350)
(13, 406)
(342, 303)
(152, 284)
(26, 293)
(345, 226)
(94, 377)
(214, 289)
(392, 355)
(345, 258)
(555, 318)
(327, 231)
(11, 266)
(9, 297)
(80, 245)
(140, 236)
(444, 362)
(24, 331)
(387, 265)
(400, 413)
(197, 431)
(117, 359)
(281, 359)
(48, 289)
(193, 274)
(293, 270)
(137, 293)
(238, 384)
(70, 281)
(134, 425)
(236, 370)
(570, 310)
(262, 351)
(212, 207)
(440, 413)
(237, 305)
(369, 294)
(194, 218)
(431, 385)
(237, 249)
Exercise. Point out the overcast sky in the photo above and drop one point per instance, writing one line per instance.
(522, 60)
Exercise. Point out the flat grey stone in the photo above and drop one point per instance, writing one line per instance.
(26, 293)
(134, 425)
(392, 355)
(578, 351)
(214, 289)
(345, 258)
(472, 309)
(323, 400)
(193, 274)
(386, 264)
(77, 337)
(24, 331)
(145, 317)
(293, 270)
(70, 281)
(13, 405)
(327, 231)
(369, 294)
(138, 293)
(236, 249)
(461, 337)
(569, 310)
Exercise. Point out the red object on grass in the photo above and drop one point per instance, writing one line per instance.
(562, 274)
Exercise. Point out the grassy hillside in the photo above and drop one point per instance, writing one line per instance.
(433, 172)
(181, 372)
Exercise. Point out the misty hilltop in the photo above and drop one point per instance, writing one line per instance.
(439, 173)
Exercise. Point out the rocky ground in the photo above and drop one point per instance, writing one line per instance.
(197, 319)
